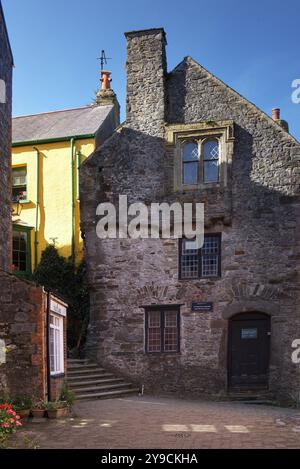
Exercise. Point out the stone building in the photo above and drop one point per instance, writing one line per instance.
(29, 363)
(217, 320)
(6, 66)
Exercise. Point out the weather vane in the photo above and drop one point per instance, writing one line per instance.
(103, 59)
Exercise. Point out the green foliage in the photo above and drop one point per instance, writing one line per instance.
(22, 402)
(55, 405)
(60, 275)
(67, 395)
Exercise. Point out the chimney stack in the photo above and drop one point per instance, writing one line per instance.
(276, 114)
(276, 118)
(146, 72)
(106, 95)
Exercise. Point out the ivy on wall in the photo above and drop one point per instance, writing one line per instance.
(60, 275)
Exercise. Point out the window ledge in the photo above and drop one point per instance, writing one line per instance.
(57, 375)
(25, 202)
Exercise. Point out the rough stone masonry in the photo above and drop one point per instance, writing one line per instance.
(6, 65)
(254, 207)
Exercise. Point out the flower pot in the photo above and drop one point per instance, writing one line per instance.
(38, 413)
(57, 413)
(23, 413)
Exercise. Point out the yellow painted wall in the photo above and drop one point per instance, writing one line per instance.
(55, 193)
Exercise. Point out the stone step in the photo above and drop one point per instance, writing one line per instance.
(107, 394)
(85, 371)
(77, 360)
(94, 382)
(102, 374)
(97, 389)
(81, 366)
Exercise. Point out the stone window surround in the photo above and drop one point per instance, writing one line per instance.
(176, 134)
(202, 279)
(162, 308)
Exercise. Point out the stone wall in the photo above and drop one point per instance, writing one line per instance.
(5, 147)
(23, 332)
(23, 329)
(257, 213)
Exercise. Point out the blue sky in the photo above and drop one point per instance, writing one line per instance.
(252, 46)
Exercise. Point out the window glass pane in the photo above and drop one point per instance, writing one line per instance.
(19, 176)
(51, 347)
(20, 247)
(171, 332)
(154, 331)
(190, 173)
(189, 260)
(190, 152)
(211, 150)
(211, 171)
(19, 184)
(19, 193)
(211, 161)
(210, 256)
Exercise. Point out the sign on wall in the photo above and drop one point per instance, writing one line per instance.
(202, 306)
(57, 307)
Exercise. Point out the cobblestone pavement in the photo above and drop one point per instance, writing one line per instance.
(151, 422)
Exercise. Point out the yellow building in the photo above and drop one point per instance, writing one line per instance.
(46, 154)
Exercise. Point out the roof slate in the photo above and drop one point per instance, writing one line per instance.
(58, 124)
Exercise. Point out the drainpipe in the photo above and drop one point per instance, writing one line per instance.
(48, 346)
(78, 162)
(36, 242)
(72, 141)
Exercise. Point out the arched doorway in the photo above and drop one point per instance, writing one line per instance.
(249, 350)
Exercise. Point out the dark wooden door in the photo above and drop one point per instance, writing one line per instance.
(249, 350)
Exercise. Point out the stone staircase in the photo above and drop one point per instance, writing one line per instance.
(89, 381)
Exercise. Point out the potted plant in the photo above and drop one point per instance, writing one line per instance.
(67, 395)
(57, 409)
(38, 409)
(22, 404)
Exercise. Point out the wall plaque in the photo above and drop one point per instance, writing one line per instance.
(202, 306)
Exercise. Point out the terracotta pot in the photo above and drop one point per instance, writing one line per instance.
(38, 413)
(57, 413)
(23, 413)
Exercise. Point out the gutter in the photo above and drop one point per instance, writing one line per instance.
(36, 242)
(51, 140)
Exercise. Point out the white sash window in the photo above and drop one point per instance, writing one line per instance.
(56, 344)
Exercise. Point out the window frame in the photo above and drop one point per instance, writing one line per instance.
(200, 141)
(60, 329)
(16, 168)
(162, 309)
(195, 162)
(199, 260)
(18, 228)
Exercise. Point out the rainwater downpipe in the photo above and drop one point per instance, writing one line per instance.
(36, 242)
(78, 162)
(48, 374)
(72, 142)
